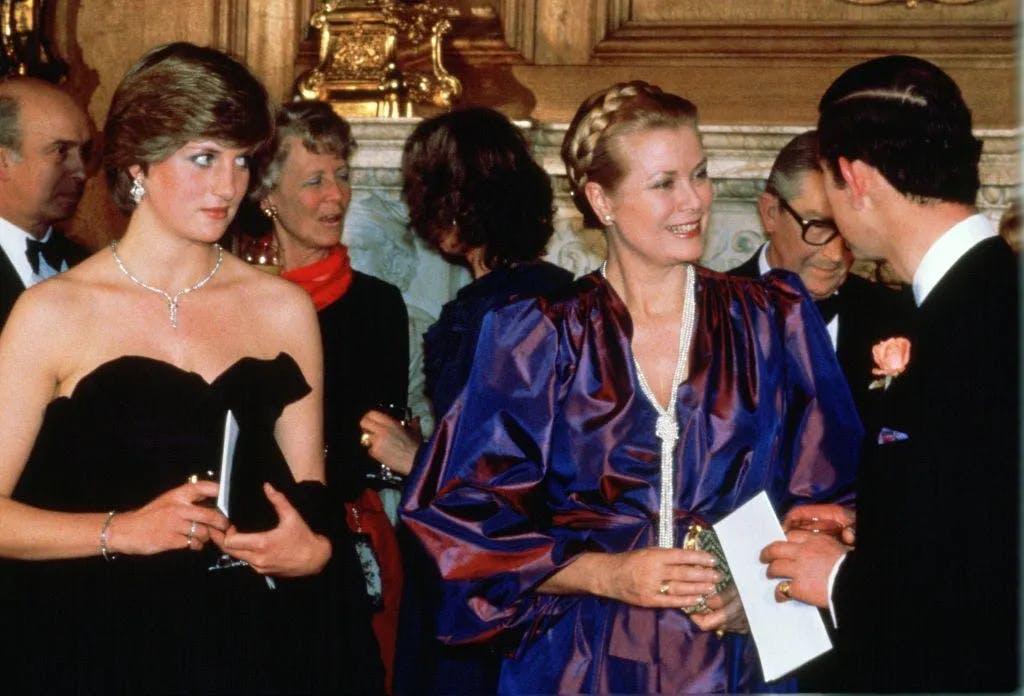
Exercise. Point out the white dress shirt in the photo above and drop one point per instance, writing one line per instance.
(14, 242)
(763, 267)
(947, 250)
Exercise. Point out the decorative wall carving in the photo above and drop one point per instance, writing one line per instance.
(359, 70)
(25, 43)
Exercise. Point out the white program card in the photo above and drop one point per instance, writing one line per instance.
(787, 634)
(227, 458)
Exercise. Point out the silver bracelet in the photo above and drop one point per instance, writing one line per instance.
(104, 530)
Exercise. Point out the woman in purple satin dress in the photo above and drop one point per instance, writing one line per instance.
(600, 423)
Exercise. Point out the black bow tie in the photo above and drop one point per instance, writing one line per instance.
(828, 308)
(51, 250)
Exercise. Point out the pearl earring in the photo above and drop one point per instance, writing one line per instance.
(608, 219)
(270, 210)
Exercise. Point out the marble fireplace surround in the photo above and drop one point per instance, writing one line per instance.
(739, 159)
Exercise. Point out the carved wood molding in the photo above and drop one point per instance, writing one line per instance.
(910, 4)
(606, 32)
(632, 43)
(265, 34)
(519, 24)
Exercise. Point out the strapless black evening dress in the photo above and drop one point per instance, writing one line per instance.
(134, 428)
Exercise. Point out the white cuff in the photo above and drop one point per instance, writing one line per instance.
(831, 582)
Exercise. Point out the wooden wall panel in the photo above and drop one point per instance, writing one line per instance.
(743, 62)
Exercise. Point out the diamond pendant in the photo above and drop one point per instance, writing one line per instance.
(172, 306)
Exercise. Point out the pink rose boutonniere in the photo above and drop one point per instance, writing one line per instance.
(891, 358)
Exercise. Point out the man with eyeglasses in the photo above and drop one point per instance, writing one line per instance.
(803, 238)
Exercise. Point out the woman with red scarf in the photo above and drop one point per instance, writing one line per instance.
(304, 191)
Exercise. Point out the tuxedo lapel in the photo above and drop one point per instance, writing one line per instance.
(10, 287)
(868, 313)
(749, 268)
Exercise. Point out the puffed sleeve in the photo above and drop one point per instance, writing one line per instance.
(823, 431)
(475, 499)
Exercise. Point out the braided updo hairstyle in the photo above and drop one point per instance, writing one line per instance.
(625, 107)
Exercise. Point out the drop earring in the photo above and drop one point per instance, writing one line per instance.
(137, 191)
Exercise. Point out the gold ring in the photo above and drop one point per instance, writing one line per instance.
(364, 439)
(784, 587)
(664, 588)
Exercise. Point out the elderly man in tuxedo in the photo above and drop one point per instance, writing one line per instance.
(803, 238)
(44, 148)
(927, 600)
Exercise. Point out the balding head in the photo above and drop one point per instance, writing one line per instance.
(44, 148)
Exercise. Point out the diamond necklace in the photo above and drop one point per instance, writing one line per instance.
(667, 426)
(172, 302)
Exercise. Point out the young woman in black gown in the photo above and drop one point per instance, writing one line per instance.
(116, 378)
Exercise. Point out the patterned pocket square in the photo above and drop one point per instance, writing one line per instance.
(887, 435)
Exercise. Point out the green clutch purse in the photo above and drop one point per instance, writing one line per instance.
(701, 538)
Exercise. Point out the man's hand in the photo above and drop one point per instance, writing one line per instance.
(806, 559)
(828, 518)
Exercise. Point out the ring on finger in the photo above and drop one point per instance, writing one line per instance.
(784, 589)
(663, 590)
(364, 440)
(191, 533)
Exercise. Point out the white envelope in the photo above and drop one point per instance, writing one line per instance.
(227, 460)
(787, 634)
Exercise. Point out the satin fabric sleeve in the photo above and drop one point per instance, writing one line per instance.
(476, 499)
(826, 433)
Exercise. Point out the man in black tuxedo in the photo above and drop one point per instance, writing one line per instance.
(803, 238)
(44, 148)
(928, 598)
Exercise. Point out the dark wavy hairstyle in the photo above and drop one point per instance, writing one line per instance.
(905, 117)
(471, 171)
(173, 94)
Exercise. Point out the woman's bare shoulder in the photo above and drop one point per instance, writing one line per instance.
(282, 304)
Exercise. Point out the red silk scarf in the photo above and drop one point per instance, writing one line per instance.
(326, 280)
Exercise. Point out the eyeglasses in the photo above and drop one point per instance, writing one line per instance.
(814, 232)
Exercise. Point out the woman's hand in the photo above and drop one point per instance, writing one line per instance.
(169, 521)
(726, 613)
(660, 578)
(389, 442)
(291, 549)
(825, 517)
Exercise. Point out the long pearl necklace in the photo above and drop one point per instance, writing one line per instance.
(667, 426)
(175, 300)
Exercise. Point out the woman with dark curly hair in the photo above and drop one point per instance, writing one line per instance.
(475, 194)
